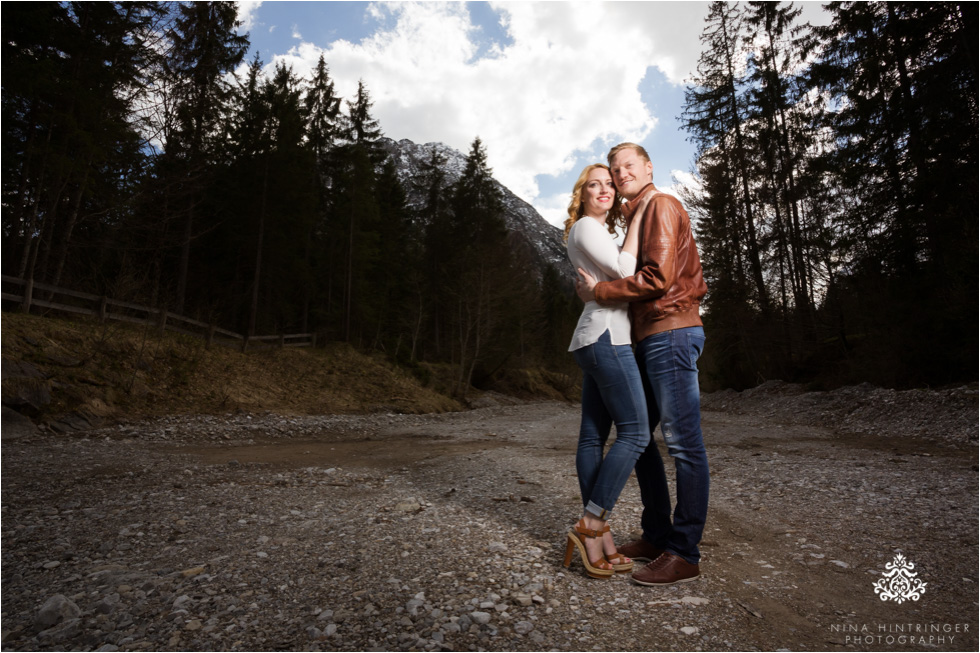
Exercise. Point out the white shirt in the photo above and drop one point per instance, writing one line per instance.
(591, 247)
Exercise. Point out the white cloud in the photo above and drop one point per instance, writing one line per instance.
(683, 181)
(246, 13)
(563, 89)
(553, 208)
(559, 88)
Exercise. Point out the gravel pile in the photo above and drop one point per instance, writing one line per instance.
(950, 414)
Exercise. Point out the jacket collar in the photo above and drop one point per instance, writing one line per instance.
(629, 207)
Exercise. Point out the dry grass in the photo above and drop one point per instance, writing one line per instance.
(116, 369)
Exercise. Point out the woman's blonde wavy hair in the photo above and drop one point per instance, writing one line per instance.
(613, 219)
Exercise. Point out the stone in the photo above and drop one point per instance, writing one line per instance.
(16, 425)
(689, 630)
(694, 600)
(479, 617)
(65, 630)
(26, 395)
(55, 610)
(108, 604)
(523, 627)
(523, 600)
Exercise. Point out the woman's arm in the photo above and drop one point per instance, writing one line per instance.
(632, 242)
(591, 241)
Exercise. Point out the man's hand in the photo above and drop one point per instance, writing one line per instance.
(585, 286)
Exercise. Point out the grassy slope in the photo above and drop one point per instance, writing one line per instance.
(116, 369)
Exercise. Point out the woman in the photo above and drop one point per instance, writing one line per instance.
(611, 387)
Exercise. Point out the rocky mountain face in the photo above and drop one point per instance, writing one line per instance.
(541, 241)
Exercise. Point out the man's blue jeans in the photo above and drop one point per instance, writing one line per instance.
(668, 366)
(611, 392)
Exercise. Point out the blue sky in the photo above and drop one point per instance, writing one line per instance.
(549, 87)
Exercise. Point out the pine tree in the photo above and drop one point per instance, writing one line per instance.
(205, 48)
(355, 209)
(322, 113)
(478, 287)
(73, 75)
(779, 53)
(714, 110)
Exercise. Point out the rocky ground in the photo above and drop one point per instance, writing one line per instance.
(446, 532)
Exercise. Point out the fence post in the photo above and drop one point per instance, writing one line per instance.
(28, 294)
(282, 341)
(211, 328)
(314, 340)
(245, 343)
(162, 319)
(103, 307)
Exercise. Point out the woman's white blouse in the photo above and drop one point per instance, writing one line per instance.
(591, 247)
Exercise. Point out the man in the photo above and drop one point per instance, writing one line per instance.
(664, 295)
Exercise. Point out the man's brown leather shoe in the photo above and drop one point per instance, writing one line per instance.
(640, 550)
(667, 570)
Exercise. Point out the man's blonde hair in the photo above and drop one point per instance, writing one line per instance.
(622, 146)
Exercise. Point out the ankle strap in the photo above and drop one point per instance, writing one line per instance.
(588, 532)
(582, 529)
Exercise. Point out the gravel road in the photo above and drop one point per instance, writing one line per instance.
(445, 532)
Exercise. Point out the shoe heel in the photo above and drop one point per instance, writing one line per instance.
(569, 551)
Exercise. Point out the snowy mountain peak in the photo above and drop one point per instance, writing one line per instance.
(544, 241)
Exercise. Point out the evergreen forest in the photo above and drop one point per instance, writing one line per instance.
(837, 222)
(835, 216)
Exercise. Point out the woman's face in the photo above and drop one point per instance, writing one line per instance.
(598, 193)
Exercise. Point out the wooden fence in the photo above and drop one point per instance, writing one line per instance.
(103, 308)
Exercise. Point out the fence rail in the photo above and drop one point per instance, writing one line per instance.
(104, 308)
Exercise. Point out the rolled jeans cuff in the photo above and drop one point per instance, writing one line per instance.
(597, 511)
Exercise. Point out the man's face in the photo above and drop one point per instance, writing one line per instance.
(630, 172)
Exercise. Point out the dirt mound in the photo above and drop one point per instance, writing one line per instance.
(948, 414)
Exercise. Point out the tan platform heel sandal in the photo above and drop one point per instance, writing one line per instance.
(576, 539)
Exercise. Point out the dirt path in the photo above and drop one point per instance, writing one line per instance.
(445, 532)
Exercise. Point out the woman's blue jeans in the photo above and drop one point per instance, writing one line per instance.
(612, 391)
(668, 365)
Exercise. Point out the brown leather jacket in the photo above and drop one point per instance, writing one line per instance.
(666, 291)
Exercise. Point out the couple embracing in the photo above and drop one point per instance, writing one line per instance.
(647, 292)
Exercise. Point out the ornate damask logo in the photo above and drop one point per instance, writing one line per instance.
(899, 582)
